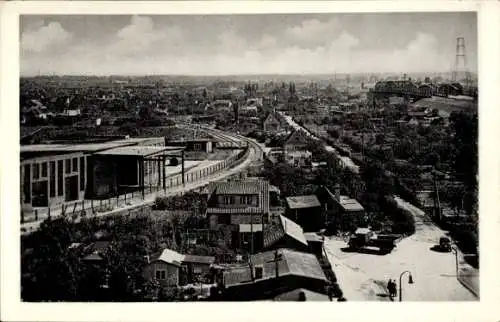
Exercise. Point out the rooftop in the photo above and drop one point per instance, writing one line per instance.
(293, 296)
(290, 263)
(286, 227)
(175, 258)
(446, 104)
(239, 187)
(350, 204)
(313, 237)
(82, 147)
(139, 151)
(298, 202)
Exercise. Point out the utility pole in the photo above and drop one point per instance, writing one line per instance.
(251, 233)
(277, 259)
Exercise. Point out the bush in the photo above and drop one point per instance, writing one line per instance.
(466, 238)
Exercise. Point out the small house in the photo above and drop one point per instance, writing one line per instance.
(171, 268)
(305, 211)
(341, 212)
(272, 273)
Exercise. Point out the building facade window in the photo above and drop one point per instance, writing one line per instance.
(67, 166)
(161, 275)
(27, 183)
(52, 179)
(75, 164)
(44, 170)
(60, 177)
(259, 272)
(82, 173)
(36, 171)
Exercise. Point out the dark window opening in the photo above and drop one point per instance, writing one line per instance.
(67, 166)
(52, 178)
(259, 272)
(75, 164)
(224, 219)
(40, 196)
(60, 178)
(27, 183)
(71, 188)
(82, 173)
(36, 171)
(44, 170)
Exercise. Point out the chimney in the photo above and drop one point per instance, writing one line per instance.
(337, 192)
(146, 259)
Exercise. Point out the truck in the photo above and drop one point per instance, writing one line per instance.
(365, 237)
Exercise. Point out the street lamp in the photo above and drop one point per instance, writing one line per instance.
(410, 281)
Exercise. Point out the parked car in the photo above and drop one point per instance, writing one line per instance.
(445, 244)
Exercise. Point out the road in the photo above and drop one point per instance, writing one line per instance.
(255, 154)
(363, 276)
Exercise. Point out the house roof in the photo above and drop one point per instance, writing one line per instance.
(298, 202)
(292, 229)
(445, 104)
(245, 187)
(237, 187)
(313, 237)
(347, 203)
(174, 258)
(297, 137)
(362, 231)
(93, 257)
(199, 259)
(286, 227)
(295, 294)
(350, 204)
(171, 257)
(290, 263)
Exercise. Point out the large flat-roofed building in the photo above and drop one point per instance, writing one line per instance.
(54, 174)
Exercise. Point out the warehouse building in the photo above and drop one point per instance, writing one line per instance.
(54, 174)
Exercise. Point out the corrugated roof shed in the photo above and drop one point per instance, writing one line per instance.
(298, 202)
(290, 263)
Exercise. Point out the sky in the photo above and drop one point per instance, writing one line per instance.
(245, 44)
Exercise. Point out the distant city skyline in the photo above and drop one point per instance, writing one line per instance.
(218, 45)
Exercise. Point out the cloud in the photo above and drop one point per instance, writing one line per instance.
(141, 36)
(44, 37)
(312, 32)
(141, 47)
